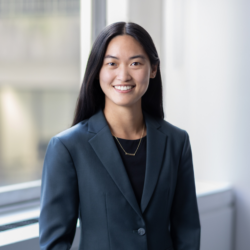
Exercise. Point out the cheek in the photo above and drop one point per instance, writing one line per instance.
(105, 77)
(142, 77)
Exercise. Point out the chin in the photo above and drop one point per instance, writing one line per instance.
(130, 104)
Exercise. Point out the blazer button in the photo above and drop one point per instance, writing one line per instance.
(141, 231)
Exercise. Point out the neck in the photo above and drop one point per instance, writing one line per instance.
(125, 122)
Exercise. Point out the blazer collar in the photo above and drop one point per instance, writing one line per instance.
(105, 148)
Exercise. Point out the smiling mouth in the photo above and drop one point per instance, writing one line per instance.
(124, 87)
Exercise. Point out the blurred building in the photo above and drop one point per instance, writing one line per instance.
(39, 81)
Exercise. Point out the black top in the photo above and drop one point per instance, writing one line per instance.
(135, 165)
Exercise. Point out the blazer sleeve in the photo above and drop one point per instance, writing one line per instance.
(184, 217)
(59, 199)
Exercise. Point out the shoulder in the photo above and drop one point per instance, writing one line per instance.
(177, 138)
(165, 126)
(71, 136)
(176, 134)
(171, 129)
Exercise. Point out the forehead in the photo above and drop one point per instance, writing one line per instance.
(124, 45)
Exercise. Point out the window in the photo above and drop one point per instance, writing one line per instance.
(39, 81)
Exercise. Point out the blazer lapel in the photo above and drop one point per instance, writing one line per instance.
(156, 148)
(105, 148)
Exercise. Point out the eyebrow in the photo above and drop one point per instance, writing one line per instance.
(130, 58)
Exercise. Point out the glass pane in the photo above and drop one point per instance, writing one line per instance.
(39, 81)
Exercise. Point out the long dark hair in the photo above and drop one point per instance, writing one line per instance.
(91, 97)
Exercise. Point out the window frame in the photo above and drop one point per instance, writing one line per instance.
(20, 195)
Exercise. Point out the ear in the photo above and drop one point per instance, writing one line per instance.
(153, 70)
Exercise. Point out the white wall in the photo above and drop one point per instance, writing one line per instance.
(146, 13)
(204, 47)
(207, 91)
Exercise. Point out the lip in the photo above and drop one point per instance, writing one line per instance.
(124, 91)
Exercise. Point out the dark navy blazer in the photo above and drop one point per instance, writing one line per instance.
(84, 175)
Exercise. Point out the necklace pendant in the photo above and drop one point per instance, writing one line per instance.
(137, 146)
(130, 154)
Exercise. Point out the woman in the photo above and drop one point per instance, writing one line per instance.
(121, 167)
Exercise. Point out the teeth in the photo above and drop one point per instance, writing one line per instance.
(123, 87)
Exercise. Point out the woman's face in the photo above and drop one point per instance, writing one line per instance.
(126, 65)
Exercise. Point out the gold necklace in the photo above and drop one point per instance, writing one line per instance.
(137, 146)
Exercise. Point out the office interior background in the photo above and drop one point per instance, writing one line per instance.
(204, 48)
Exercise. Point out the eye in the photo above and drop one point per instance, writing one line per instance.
(137, 63)
(111, 63)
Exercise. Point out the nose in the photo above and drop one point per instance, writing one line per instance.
(123, 74)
